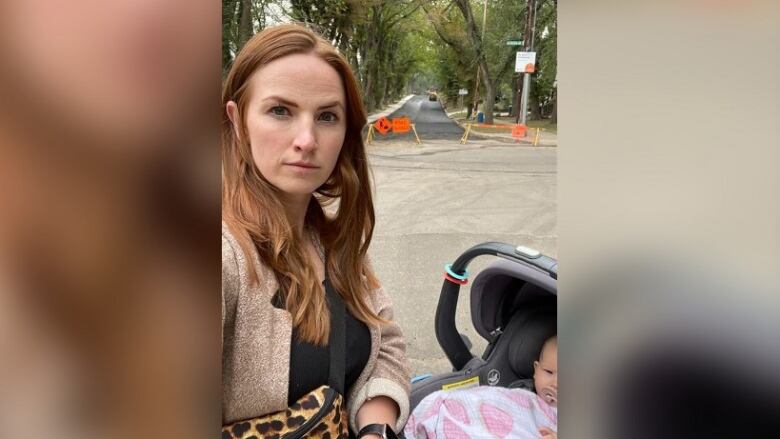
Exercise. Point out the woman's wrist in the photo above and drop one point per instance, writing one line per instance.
(377, 431)
(378, 410)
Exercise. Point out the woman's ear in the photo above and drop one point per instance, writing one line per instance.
(232, 111)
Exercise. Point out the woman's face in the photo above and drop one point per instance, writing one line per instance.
(295, 121)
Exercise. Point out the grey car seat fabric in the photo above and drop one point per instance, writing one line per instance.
(497, 288)
(513, 306)
(525, 384)
(527, 339)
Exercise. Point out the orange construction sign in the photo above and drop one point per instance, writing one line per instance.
(382, 125)
(401, 125)
(518, 131)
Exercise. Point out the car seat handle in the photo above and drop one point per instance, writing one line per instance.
(447, 333)
(517, 253)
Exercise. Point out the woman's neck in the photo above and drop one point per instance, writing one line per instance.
(295, 207)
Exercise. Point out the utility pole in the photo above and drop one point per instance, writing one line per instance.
(476, 83)
(530, 22)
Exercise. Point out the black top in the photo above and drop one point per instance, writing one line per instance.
(309, 363)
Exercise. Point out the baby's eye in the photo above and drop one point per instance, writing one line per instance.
(279, 111)
(329, 116)
(548, 371)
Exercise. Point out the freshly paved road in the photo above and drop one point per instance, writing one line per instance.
(429, 119)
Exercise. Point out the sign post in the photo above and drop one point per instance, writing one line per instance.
(462, 92)
(525, 62)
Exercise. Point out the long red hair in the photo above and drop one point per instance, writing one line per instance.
(253, 211)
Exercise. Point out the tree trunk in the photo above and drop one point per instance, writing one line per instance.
(554, 116)
(517, 85)
(228, 30)
(371, 59)
(490, 102)
(476, 40)
(533, 103)
(244, 23)
(361, 50)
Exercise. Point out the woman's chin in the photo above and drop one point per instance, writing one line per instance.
(298, 190)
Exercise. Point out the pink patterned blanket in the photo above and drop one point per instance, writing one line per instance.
(481, 412)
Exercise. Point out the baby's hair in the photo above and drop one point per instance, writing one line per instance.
(552, 339)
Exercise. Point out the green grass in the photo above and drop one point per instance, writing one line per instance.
(544, 124)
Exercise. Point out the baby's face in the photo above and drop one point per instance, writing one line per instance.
(546, 373)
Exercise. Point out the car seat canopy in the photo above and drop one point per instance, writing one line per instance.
(503, 287)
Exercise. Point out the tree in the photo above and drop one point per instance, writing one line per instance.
(373, 35)
(479, 53)
(240, 20)
(394, 47)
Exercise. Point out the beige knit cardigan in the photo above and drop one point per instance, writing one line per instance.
(256, 340)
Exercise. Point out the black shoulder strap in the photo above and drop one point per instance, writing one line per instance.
(337, 339)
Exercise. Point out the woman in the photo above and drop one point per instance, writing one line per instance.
(291, 146)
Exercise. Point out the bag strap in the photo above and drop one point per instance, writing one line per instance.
(337, 340)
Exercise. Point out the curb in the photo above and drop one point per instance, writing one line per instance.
(374, 116)
(498, 136)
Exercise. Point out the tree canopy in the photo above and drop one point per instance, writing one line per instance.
(412, 46)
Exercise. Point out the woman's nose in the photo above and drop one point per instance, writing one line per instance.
(306, 139)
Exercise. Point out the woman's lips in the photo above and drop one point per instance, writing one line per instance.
(302, 167)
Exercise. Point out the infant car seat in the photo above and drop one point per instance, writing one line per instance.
(513, 307)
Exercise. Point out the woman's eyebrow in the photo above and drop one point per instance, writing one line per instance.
(331, 104)
(289, 103)
(281, 101)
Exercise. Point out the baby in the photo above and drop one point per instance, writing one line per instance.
(546, 379)
(491, 412)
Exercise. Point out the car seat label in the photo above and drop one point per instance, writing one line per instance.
(471, 382)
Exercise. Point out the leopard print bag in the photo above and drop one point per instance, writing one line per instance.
(319, 414)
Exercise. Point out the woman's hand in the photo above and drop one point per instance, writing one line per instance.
(547, 433)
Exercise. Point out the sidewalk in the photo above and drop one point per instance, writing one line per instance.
(388, 110)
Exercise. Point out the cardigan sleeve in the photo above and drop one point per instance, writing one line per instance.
(391, 376)
(230, 281)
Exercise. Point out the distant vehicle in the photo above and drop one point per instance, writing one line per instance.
(432, 97)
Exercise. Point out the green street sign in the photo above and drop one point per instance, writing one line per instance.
(514, 43)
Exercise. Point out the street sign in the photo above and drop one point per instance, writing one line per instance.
(525, 62)
(401, 125)
(514, 42)
(382, 125)
(463, 91)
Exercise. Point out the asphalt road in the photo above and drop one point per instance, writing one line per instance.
(436, 200)
(429, 119)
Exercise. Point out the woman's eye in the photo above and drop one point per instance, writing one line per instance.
(279, 111)
(328, 116)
